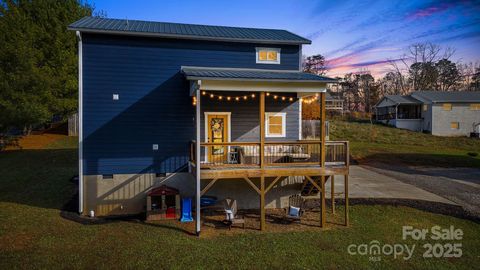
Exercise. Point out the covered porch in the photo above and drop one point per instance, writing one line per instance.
(248, 123)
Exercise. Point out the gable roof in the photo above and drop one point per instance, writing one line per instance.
(393, 100)
(186, 31)
(245, 74)
(440, 96)
(398, 99)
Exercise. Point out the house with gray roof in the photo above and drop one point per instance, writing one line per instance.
(435, 112)
(211, 112)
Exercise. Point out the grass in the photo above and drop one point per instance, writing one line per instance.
(34, 186)
(379, 143)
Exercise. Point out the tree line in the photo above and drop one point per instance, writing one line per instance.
(424, 66)
(38, 62)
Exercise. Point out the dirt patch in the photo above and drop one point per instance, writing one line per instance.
(15, 241)
(36, 141)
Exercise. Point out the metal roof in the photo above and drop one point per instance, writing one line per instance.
(186, 31)
(199, 73)
(398, 99)
(440, 96)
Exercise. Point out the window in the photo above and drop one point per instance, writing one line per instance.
(425, 107)
(275, 124)
(447, 106)
(454, 125)
(268, 55)
(475, 106)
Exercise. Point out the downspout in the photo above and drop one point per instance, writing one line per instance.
(80, 123)
(197, 162)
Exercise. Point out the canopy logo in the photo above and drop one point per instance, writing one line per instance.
(443, 247)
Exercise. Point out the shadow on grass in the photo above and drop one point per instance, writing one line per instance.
(39, 178)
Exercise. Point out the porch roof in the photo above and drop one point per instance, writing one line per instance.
(230, 74)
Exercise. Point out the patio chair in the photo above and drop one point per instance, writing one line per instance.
(231, 214)
(296, 208)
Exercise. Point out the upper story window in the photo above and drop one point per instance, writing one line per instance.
(275, 124)
(447, 106)
(268, 55)
(475, 106)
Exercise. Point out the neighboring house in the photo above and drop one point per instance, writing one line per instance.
(198, 108)
(334, 104)
(439, 113)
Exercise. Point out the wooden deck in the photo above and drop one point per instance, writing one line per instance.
(271, 171)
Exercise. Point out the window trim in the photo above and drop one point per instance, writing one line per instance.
(267, 124)
(258, 61)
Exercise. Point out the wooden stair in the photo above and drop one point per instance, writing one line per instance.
(310, 190)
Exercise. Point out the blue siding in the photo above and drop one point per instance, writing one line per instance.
(154, 105)
(245, 116)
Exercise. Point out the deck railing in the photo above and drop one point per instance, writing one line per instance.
(248, 154)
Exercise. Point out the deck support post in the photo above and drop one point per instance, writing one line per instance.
(322, 202)
(262, 129)
(332, 192)
(262, 203)
(197, 164)
(346, 200)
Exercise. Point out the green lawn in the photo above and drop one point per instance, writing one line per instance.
(373, 142)
(34, 185)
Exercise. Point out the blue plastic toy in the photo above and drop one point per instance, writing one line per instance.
(186, 210)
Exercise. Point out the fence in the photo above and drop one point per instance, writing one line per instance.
(73, 125)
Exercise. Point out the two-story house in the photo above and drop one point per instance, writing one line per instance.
(203, 109)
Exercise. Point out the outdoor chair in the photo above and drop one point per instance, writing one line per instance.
(295, 209)
(232, 217)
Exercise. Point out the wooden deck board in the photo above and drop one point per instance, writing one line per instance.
(236, 172)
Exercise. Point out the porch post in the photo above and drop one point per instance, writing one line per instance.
(262, 160)
(197, 164)
(262, 128)
(322, 127)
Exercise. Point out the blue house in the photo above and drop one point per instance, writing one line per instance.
(203, 109)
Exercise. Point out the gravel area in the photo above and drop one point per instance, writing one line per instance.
(460, 185)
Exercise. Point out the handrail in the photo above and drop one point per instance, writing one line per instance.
(337, 153)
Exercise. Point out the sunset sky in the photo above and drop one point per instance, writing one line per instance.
(353, 35)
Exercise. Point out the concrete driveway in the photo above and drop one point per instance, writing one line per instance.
(367, 183)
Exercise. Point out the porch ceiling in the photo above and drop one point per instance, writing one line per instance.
(234, 79)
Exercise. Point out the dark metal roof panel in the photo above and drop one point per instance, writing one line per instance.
(440, 96)
(251, 74)
(189, 31)
(398, 99)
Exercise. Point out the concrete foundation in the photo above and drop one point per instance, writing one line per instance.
(125, 194)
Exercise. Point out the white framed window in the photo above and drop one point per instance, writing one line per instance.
(267, 55)
(275, 124)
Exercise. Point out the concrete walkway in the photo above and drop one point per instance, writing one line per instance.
(365, 183)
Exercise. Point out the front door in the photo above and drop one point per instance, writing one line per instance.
(217, 132)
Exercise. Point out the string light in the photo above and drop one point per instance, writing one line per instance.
(194, 101)
(251, 96)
